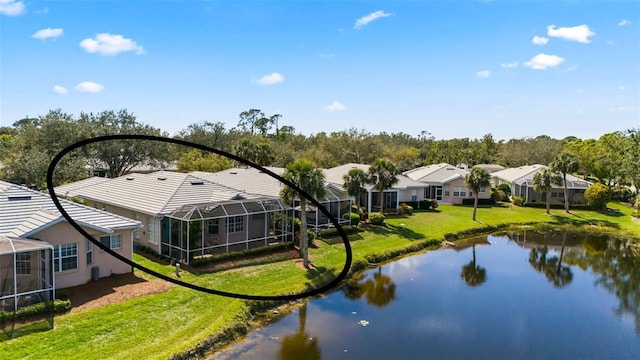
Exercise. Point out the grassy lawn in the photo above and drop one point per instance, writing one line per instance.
(159, 325)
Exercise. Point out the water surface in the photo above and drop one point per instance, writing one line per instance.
(513, 295)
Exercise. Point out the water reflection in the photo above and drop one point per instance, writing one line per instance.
(473, 275)
(559, 275)
(300, 345)
(379, 290)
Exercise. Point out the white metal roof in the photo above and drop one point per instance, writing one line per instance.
(24, 211)
(11, 245)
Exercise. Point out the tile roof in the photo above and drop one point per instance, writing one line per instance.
(523, 175)
(335, 175)
(437, 173)
(24, 211)
(155, 193)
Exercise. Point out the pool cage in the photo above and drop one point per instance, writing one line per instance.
(200, 230)
(335, 202)
(26, 273)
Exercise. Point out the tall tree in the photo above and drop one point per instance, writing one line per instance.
(121, 156)
(564, 163)
(309, 178)
(384, 175)
(249, 120)
(543, 181)
(354, 182)
(475, 179)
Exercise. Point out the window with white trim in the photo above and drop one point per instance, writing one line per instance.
(113, 242)
(65, 257)
(459, 191)
(235, 224)
(154, 230)
(89, 252)
(23, 263)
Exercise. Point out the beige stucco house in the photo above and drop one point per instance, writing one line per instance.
(40, 251)
(445, 183)
(405, 190)
(185, 216)
(520, 181)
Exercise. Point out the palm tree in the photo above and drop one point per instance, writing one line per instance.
(543, 181)
(472, 273)
(477, 178)
(379, 291)
(354, 182)
(384, 175)
(309, 178)
(564, 163)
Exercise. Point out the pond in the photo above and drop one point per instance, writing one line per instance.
(520, 294)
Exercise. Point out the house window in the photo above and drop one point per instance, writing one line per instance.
(65, 257)
(113, 242)
(459, 191)
(89, 252)
(212, 226)
(23, 264)
(482, 190)
(154, 229)
(446, 191)
(235, 224)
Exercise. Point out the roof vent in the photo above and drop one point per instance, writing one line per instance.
(130, 178)
(450, 169)
(19, 198)
(162, 178)
(233, 172)
(196, 182)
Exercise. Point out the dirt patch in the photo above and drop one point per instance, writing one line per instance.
(113, 289)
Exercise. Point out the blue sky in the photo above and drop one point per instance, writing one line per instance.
(454, 69)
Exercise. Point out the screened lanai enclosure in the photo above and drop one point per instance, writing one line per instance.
(199, 230)
(26, 273)
(337, 204)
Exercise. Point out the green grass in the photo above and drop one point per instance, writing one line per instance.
(159, 325)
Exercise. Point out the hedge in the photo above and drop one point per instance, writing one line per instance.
(47, 307)
(469, 201)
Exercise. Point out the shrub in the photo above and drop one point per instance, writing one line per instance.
(47, 307)
(622, 194)
(469, 201)
(354, 219)
(517, 200)
(406, 209)
(376, 218)
(597, 195)
(332, 231)
(429, 204)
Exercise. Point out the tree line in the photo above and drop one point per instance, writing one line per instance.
(28, 145)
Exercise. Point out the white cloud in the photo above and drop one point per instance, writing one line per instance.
(60, 90)
(483, 74)
(539, 40)
(47, 33)
(369, 18)
(335, 106)
(624, 22)
(107, 44)
(89, 87)
(580, 33)
(12, 7)
(509, 65)
(543, 61)
(270, 79)
(622, 108)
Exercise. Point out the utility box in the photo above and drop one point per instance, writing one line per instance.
(95, 273)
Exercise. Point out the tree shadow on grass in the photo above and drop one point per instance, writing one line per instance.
(318, 277)
(15, 329)
(579, 220)
(393, 230)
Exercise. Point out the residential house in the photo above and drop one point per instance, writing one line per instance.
(40, 251)
(248, 179)
(187, 216)
(405, 190)
(520, 181)
(445, 183)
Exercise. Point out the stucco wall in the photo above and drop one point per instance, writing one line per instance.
(63, 233)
